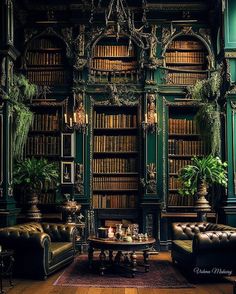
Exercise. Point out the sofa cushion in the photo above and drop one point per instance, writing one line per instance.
(186, 231)
(58, 248)
(184, 246)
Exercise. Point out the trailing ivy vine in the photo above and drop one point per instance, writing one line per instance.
(21, 92)
(208, 117)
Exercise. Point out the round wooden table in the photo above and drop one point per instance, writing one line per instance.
(125, 252)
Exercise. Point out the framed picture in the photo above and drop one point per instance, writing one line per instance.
(67, 172)
(67, 145)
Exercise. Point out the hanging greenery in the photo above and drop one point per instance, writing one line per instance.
(21, 91)
(208, 116)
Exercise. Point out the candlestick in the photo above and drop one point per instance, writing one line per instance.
(75, 117)
(145, 118)
(155, 117)
(86, 119)
(70, 122)
(65, 117)
(110, 233)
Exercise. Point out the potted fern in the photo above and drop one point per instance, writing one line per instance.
(196, 178)
(32, 174)
(208, 92)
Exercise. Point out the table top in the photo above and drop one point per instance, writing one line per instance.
(106, 243)
(4, 253)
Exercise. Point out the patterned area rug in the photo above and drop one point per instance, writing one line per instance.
(161, 275)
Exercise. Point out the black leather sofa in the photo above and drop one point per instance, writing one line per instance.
(204, 249)
(39, 248)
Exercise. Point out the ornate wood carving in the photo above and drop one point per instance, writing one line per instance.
(150, 184)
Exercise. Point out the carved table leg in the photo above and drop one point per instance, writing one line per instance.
(133, 263)
(110, 256)
(145, 258)
(118, 257)
(90, 256)
(102, 258)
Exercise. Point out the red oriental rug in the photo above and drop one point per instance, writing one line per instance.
(161, 275)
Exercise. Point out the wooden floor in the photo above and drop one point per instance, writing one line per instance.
(46, 287)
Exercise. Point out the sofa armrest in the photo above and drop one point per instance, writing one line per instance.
(214, 240)
(187, 231)
(18, 239)
(60, 232)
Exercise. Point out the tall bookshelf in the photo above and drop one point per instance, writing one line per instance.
(186, 60)
(184, 142)
(45, 61)
(46, 65)
(115, 162)
(114, 61)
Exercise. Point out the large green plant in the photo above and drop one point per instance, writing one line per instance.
(21, 91)
(207, 170)
(208, 117)
(33, 173)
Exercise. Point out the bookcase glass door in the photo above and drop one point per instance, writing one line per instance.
(186, 60)
(115, 162)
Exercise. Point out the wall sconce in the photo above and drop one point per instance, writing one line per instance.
(150, 118)
(150, 123)
(79, 120)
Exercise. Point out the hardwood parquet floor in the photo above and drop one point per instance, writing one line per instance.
(23, 286)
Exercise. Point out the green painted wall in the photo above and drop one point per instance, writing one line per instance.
(230, 24)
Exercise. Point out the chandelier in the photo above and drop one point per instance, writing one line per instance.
(119, 15)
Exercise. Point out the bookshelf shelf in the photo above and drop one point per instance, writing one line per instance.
(114, 61)
(184, 142)
(115, 158)
(116, 152)
(116, 174)
(186, 58)
(46, 62)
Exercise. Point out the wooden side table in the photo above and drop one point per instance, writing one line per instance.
(6, 267)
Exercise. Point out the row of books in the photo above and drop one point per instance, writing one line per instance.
(185, 57)
(43, 145)
(182, 126)
(114, 165)
(179, 200)
(44, 58)
(182, 147)
(111, 50)
(45, 122)
(115, 183)
(115, 143)
(108, 64)
(184, 78)
(121, 120)
(120, 77)
(42, 43)
(114, 201)
(174, 183)
(46, 77)
(180, 44)
(176, 164)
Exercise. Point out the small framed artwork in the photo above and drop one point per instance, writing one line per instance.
(67, 172)
(67, 145)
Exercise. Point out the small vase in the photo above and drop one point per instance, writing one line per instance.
(118, 233)
(202, 204)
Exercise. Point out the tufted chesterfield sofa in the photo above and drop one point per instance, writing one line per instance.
(40, 248)
(204, 248)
